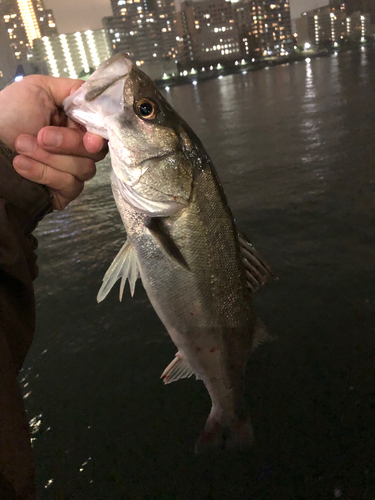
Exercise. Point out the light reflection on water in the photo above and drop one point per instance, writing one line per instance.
(294, 147)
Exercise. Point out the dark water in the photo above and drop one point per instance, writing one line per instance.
(295, 148)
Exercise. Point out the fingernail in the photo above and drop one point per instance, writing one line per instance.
(26, 144)
(52, 138)
(21, 163)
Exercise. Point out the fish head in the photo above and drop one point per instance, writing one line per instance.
(149, 143)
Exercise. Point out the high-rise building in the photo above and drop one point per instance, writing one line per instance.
(25, 21)
(206, 32)
(145, 29)
(218, 30)
(74, 54)
(8, 62)
(331, 25)
(264, 27)
(45, 19)
(362, 6)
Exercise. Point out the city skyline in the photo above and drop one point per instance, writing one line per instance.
(74, 16)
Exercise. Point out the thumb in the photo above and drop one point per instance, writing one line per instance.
(60, 88)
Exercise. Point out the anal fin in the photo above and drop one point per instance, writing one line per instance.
(178, 368)
(124, 266)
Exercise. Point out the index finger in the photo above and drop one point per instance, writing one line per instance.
(72, 142)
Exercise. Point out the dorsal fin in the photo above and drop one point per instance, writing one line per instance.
(257, 270)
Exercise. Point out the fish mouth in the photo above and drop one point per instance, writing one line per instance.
(101, 96)
(116, 68)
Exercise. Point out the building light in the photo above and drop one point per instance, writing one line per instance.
(82, 51)
(68, 57)
(50, 56)
(92, 47)
(29, 20)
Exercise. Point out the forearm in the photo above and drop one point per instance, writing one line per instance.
(22, 204)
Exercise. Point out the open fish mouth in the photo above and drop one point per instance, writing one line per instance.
(101, 96)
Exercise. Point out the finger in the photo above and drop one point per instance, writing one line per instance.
(95, 144)
(65, 187)
(66, 141)
(82, 168)
(61, 88)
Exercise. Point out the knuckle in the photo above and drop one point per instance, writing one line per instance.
(74, 139)
(87, 170)
(41, 172)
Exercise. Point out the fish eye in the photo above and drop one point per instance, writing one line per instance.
(146, 109)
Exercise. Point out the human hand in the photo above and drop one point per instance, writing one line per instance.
(54, 150)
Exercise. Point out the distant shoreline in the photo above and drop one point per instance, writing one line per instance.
(233, 69)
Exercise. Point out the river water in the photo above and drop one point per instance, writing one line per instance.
(294, 146)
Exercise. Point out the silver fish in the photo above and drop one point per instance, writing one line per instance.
(198, 271)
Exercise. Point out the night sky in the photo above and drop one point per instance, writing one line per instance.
(80, 15)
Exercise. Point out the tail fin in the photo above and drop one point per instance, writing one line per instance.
(236, 435)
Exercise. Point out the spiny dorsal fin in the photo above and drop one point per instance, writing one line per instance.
(256, 269)
(178, 368)
(124, 266)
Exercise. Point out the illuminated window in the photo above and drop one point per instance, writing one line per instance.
(29, 20)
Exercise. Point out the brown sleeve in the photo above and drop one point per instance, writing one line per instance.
(22, 205)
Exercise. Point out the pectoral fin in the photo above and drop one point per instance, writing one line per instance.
(124, 266)
(160, 232)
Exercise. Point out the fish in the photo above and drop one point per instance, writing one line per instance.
(197, 268)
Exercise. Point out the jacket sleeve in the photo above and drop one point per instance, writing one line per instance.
(22, 205)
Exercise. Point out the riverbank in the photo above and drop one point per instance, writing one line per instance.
(232, 68)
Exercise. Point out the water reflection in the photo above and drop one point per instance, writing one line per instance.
(48, 484)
